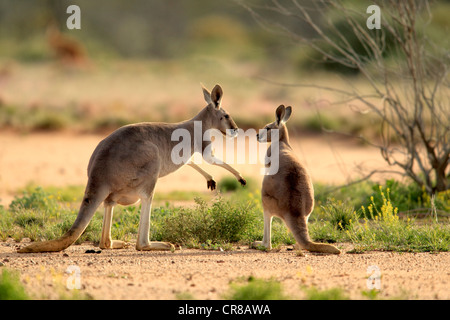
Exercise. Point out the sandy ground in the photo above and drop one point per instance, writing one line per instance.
(60, 159)
(130, 274)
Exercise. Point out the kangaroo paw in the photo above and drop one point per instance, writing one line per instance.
(211, 184)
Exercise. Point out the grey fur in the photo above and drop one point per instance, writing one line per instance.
(125, 167)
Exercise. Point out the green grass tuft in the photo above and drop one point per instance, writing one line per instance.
(329, 294)
(256, 289)
(10, 286)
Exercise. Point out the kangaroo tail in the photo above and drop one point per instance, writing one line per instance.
(87, 209)
(299, 229)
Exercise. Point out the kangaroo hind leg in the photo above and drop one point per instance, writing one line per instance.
(143, 241)
(106, 241)
(267, 241)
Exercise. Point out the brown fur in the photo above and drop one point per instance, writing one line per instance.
(289, 193)
(66, 50)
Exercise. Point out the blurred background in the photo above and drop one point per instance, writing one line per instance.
(144, 60)
(140, 60)
(134, 61)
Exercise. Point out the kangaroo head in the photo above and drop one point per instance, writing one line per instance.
(282, 115)
(217, 117)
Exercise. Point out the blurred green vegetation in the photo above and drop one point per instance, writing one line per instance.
(134, 29)
(431, 24)
(138, 49)
(256, 289)
(173, 29)
(10, 286)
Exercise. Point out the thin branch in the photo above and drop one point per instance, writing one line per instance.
(358, 181)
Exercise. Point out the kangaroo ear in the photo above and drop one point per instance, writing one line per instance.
(287, 114)
(206, 95)
(216, 96)
(280, 113)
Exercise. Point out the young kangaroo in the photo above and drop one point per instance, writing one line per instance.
(126, 165)
(288, 193)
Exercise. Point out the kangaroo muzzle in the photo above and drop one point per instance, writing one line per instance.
(232, 133)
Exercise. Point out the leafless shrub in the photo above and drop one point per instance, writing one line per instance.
(409, 94)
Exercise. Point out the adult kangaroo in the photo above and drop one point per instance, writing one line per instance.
(288, 193)
(126, 165)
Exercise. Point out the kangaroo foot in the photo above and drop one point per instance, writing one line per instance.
(113, 244)
(259, 244)
(163, 246)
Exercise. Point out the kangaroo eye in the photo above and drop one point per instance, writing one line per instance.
(227, 116)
